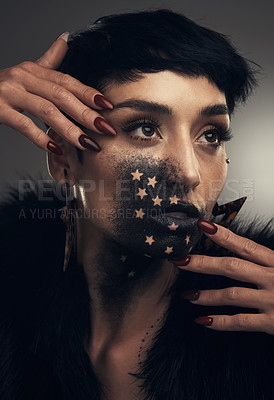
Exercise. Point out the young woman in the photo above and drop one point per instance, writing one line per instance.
(144, 307)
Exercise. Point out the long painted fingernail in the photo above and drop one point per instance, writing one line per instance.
(181, 261)
(190, 294)
(88, 143)
(63, 36)
(104, 126)
(207, 226)
(54, 148)
(204, 321)
(102, 101)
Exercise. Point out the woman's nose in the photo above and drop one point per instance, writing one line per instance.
(188, 174)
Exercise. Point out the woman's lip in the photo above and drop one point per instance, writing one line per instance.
(181, 220)
(177, 214)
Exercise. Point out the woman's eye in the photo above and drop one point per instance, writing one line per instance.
(215, 136)
(210, 136)
(142, 129)
(145, 130)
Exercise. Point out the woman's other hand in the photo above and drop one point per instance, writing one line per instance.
(256, 267)
(36, 88)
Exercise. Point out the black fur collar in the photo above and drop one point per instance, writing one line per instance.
(44, 316)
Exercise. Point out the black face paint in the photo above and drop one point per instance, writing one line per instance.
(127, 264)
(146, 189)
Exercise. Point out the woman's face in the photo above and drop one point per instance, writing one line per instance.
(167, 158)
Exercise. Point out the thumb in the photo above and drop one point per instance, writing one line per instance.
(53, 57)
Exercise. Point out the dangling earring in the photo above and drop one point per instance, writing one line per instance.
(68, 217)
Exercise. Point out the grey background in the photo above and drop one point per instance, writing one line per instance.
(28, 28)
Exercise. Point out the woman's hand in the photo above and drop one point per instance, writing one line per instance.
(256, 268)
(35, 87)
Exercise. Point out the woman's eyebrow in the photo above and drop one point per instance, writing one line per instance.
(143, 105)
(216, 109)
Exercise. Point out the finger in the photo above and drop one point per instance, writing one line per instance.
(65, 101)
(239, 322)
(49, 113)
(246, 248)
(27, 127)
(84, 93)
(235, 268)
(53, 57)
(260, 299)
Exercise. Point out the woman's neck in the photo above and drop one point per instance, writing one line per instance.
(129, 292)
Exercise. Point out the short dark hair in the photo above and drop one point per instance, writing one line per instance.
(121, 47)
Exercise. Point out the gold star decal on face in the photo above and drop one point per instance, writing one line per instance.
(152, 181)
(149, 240)
(187, 239)
(174, 199)
(142, 193)
(123, 258)
(136, 175)
(140, 213)
(157, 201)
(173, 226)
(169, 250)
(131, 273)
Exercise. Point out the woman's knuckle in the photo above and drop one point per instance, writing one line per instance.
(250, 247)
(231, 294)
(15, 73)
(48, 109)
(232, 264)
(71, 130)
(86, 114)
(226, 236)
(270, 300)
(39, 137)
(270, 321)
(221, 322)
(267, 279)
(65, 79)
(88, 93)
(241, 320)
(5, 87)
(59, 92)
(26, 65)
(24, 125)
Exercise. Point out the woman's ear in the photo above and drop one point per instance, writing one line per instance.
(57, 163)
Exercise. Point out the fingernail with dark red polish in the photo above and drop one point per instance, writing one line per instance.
(104, 126)
(102, 101)
(88, 143)
(204, 321)
(207, 226)
(54, 148)
(181, 261)
(190, 295)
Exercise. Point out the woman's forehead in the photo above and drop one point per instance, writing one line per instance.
(166, 87)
